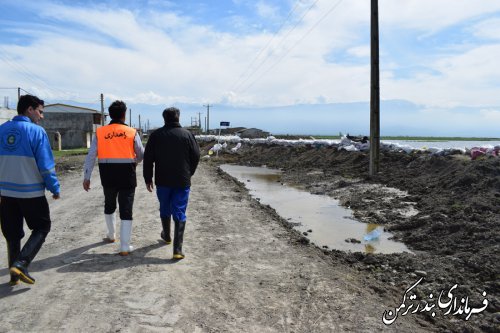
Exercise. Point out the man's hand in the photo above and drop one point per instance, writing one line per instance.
(56, 196)
(150, 187)
(86, 185)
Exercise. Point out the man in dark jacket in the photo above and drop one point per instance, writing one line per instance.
(175, 153)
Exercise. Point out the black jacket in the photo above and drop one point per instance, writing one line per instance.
(175, 154)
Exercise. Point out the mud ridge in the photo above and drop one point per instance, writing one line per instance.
(444, 208)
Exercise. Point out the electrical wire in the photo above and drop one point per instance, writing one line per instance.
(32, 77)
(267, 45)
(279, 44)
(18, 69)
(293, 46)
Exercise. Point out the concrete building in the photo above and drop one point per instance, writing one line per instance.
(73, 125)
(6, 114)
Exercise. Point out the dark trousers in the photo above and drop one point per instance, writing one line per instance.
(125, 201)
(34, 210)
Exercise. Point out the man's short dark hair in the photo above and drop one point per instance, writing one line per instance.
(117, 110)
(26, 101)
(171, 115)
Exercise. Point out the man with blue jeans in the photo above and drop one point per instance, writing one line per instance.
(174, 154)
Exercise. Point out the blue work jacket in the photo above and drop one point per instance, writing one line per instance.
(27, 165)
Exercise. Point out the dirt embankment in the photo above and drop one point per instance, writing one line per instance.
(448, 215)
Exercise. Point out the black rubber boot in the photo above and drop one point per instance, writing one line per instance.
(178, 238)
(165, 233)
(20, 266)
(13, 250)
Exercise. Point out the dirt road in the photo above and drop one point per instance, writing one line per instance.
(243, 272)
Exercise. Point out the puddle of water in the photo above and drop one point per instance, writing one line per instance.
(331, 224)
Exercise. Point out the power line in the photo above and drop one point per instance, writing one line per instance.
(18, 68)
(34, 78)
(25, 71)
(267, 45)
(293, 46)
(279, 43)
(29, 93)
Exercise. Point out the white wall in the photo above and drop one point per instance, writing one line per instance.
(6, 114)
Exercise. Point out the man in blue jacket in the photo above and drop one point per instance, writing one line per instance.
(27, 168)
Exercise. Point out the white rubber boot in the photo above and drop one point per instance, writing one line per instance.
(125, 234)
(111, 225)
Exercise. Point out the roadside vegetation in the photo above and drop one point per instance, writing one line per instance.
(407, 138)
(70, 152)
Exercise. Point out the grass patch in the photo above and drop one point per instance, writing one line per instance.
(407, 138)
(437, 138)
(70, 152)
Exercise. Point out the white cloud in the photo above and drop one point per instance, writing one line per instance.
(430, 15)
(266, 10)
(488, 29)
(161, 56)
(464, 79)
(359, 51)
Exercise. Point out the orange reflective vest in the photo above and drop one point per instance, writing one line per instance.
(115, 144)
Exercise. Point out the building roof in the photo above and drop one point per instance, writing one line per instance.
(66, 108)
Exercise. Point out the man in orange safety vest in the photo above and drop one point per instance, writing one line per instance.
(118, 149)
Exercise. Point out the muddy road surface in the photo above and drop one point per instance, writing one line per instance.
(446, 209)
(244, 271)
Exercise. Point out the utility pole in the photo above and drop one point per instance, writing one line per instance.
(102, 109)
(199, 120)
(208, 117)
(18, 93)
(130, 117)
(374, 92)
(140, 128)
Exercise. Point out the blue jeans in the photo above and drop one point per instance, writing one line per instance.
(173, 202)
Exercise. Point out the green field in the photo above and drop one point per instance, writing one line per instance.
(69, 152)
(412, 138)
(437, 139)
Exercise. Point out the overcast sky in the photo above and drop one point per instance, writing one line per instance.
(436, 54)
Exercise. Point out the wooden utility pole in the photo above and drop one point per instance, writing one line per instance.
(208, 117)
(374, 92)
(102, 109)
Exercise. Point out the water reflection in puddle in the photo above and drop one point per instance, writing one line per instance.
(331, 224)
